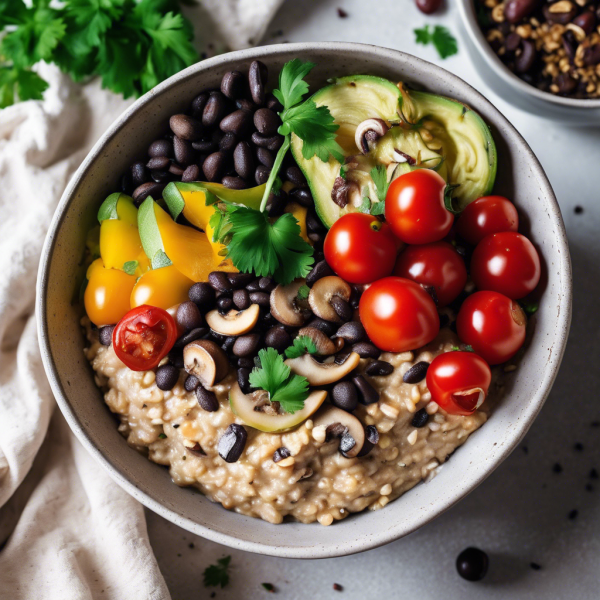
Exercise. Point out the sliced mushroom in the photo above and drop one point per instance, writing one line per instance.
(205, 360)
(325, 346)
(285, 306)
(250, 408)
(321, 294)
(322, 373)
(402, 157)
(344, 425)
(344, 191)
(368, 132)
(235, 322)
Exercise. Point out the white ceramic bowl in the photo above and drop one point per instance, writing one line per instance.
(520, 176)
(516, 91)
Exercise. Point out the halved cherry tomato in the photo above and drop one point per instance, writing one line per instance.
(493, 324)
(506, 262)
(486, 215)
(144, 336)
(438, 265)
(459, 381)
(415, 208)
(398, 314)
(360, 248)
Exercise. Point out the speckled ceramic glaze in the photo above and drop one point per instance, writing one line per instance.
(513, 89)
(520, 176)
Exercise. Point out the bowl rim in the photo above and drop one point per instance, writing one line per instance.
(469, 19)
(395, 531)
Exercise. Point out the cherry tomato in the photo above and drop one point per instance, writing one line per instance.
(486, 215)
(493, 325)
(438, 265)
(415, 209)
(360, 248)
(506, 262)
(459, 381)
(144, 336)
(398, 314)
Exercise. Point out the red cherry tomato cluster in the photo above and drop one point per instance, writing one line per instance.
(398, 308)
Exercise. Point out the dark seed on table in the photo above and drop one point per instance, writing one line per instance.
(295, 175)
(191, 383)
(327, 327)
(371, 440)
(176, 170)
(313, 223)
(206, 146)
(266, 122)
(246, 345)
(278, 338)
(203, 294)
(366, 392)
(266, 284)
(420, 418)
(151, 188)
(265, 157)
(196, 449)
(416, 373)
(472, 564)
(232, 443)
(198, 104)
(245, 363)
(535, 566)
(238, 122)
(188, 316)
(191, 336)
(379, 368)
(257, 78)
(243, 379)
(228, 143)
(240, 280)
(320, 270)
(352, 332)
(213, 166)
(206, 399)
(166, 377)
(215, 109)
(557, 468)
(281, 453)
(161, 148)
(573, 514)
(176, 357)
(241, 299)
(186, 128)
(219, 281)
(366, 350)
(261, 174)
(515, 10)
(224, 305)
(191, 173)
(344, 396)
(139, 173)
(243, 160)
(184, 153)
(428, 7)
(105, 335)
(303, 197)
(526, 59)
(234, 183)
(342, 308)
(233, 85)
(260, 298)
(273, 103)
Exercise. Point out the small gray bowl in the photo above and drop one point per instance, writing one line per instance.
(520, 177)
(513, 89)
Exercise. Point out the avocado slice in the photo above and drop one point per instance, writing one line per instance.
(429, 131)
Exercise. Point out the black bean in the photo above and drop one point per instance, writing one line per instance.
(303, 197)
(240, 280)
(266, 122)
(366, 350)
(150, 188)
(158, 162)
(219, 281)
(591, 55)
(232, 443)
(184, 153)
(260, 140)
(295, 175)
(344, 396)
(228, 143)
(276, 203)
(188, 316)
(176, 357)
(166, 377)
(516, 10)
(313, 223)
(203, 294)
(559, 17)
(214, 166)
(207, 399)
(219, 338)
(352, 332)
(139, 173)
(186, 128)
(243, 379)
(281, 453)
(261, 174)
(191, 173)
(526, 59)
(191, 383)
(224, 305)
(347, 442)
(234, 183)
(570, 45)
(273, 103)
(472, 564)
(241, 299)
(245, 104)
(278, 338)
(320, 270)
(243, 160)
(371, 440)
(420, 418)
(198, 104)
(253, 286)
(380, 368)
(512, 42)
(327, 327)
(160, 176)
(342, 308)
(161, 148)
(127, 183)
(265, 157)
(206, 146)
(566, 84)
(246, 345)
(176, 170)
(416, 373)
(266, 284)
(275, 143)
(260, 298)
(105, 335)
(342, 356)
(233, 85)
(238, 122)
(228, 343)
(191, 336)
(215, 109)
(257, 78)
(586, 20)
(367, 394)
(245, 363)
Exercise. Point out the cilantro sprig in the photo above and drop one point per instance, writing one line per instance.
(301, 345)
(441, 38)
(275, 377)
(217, 574)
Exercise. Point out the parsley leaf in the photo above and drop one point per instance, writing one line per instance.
(365, 206)
(217, 574)
(379, 177)
(292, 87)
(23, 84)
(275, 377)
(441, 38)
(302, 345)
(303, 292)
(378, 209)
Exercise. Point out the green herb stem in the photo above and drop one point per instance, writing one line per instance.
(274, 171)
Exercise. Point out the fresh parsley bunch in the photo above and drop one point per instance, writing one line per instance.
(131, 44)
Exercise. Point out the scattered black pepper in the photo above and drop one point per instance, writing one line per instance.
(589, 487)
(593, 474)
(269, 587)
(213, 594)
(179, 554)
(342, 14)
(144, 406)
(557, 468)
(535, 566)
(337, 587)
(191, 545)
(578, 447)
(525, 449)
(573, 514)
(578, 210)
(595, 424)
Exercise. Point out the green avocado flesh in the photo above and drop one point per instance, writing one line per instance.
(437, 132)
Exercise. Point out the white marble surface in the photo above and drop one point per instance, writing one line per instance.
(520, 514)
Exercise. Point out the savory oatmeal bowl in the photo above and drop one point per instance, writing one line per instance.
(297, 304)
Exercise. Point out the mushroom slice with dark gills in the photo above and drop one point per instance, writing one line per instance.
(257, 411)
(206, 361)
(343, 425)
(322, 293)
(286, 305)
(235, 322)
(368, 132)
(324, 373)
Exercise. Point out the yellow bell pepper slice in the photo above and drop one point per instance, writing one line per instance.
(299, 212)
(162, 287)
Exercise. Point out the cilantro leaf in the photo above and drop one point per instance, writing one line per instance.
(303, 292)
(379, 176)
(422, 36)
(365, 206)
(378, 209)
(292, 394)
(441, 38)
(302, 345)
(217, 574)
(23, 84)
(292, 87)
